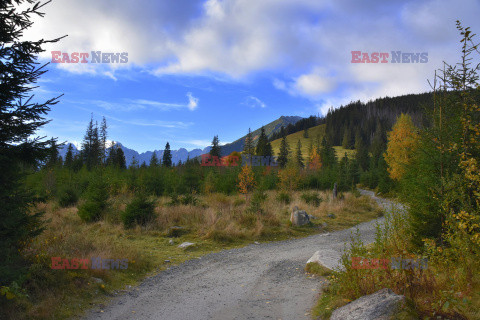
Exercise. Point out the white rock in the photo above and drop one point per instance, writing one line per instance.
(328, 258)
(381, 305)
(315, 258)
(186, 245)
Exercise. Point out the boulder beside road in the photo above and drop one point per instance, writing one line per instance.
(381, 305)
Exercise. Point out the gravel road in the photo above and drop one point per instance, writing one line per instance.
(264, 281)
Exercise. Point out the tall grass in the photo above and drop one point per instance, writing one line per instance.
(447, 289)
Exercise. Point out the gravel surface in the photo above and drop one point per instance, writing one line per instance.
(264, 281)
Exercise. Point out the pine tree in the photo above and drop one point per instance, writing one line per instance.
(361, 155)
(305, 131)
(154, 160)
(91, 150)
(215, 151)
(283, 153)
(134, 164)
(52, 160)
(327, 153)
(378, 144)
(261, 148)
(20, 119)
(103, 141)
(69, 157)
(248, 148)
(167, 156)
(120, 161)
(268, 151)
(347, 139)
(111, 158)
(299, 155)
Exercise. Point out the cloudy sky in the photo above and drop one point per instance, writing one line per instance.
(200, 68)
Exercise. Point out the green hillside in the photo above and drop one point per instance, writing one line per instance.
(314, 134)
(270, 128)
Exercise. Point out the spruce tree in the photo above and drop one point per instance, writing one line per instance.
(327, 153)
(134, 164)
(305, 131)
(21, 117)
(261, 148)
(91, 146)
(53, 154)
(283, 153)
(268, 151)
(361, 155)
(154, 160)
(215, 151)
(120, 161)
(111, 158)
(347, 139)
(167, 156)
(299, 156)
(248, 147)
(69, 157)
(103, 141)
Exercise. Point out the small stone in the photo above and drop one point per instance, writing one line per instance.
(167, 261)
(97, 280)
(186, 245)
(331, 216)
(171, 242)
(256, 242)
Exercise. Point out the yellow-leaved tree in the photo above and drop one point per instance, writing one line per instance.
(246, 180)
(314, 161)
(402, 142)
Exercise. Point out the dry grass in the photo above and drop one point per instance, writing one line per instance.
(448, 289)
(216, 222)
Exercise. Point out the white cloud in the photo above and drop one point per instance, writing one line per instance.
(313, 84)
(198, 142)
(155, 123)
(305, 45)
(254, 102)
(192, 101)
(141, 104)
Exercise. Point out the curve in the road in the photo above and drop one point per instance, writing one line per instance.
(265, 281)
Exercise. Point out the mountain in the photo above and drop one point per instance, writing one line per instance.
(183, 154)
(180, 154)
(270, 128)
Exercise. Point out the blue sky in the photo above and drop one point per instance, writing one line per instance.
(200, 68)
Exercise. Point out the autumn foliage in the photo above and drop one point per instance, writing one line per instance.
(402, 142)
(314, 161)
(246, 180)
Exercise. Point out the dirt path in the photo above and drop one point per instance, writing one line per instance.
(263, 281)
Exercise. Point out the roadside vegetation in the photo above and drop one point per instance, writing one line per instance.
(436, 174)
(213, 222)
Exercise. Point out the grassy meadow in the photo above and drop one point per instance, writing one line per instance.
(212, 221)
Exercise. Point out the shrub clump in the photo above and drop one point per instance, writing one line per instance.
(96, 198)
(312, 198)
(284, 197)
(139, 211)
(67, 197)
(258, 198)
